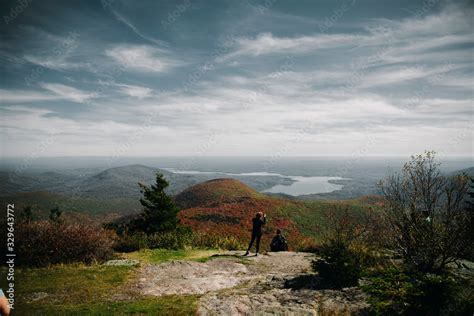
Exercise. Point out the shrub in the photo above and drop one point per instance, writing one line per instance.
(217, 241)
(346, 248)
(179, 238)
(340, 267)
(368, 256)
(126, 243)
(397, 292)
(44, 243)
(428, 216)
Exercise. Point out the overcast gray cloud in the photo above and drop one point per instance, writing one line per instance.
(328, 77)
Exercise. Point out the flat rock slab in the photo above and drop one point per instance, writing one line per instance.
(221, 272)
(123, 262)
(188, 277)
(235, 285)
(269, 297)
(283, 263)
(269, 302)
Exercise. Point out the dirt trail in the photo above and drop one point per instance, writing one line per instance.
(236, 285)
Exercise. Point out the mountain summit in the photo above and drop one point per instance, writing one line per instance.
(226, 207)
(217, 190)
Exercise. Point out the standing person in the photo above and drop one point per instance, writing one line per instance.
(257, 223)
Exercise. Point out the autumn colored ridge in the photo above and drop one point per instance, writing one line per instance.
(227, 206)
(214, 191)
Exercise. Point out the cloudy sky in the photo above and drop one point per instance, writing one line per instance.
(227, 78)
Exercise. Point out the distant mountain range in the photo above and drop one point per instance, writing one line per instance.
(116, 191)
(110, 191)
(468, 171)
(118, 182)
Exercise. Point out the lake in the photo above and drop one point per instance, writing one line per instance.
(307, 185)
(303, 184)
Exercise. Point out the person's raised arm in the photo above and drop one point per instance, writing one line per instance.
(264, 218)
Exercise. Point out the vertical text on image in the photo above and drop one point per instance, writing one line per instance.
(10, 255)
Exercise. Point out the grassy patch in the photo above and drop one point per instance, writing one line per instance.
(167, 305)
(70, 283)
(92, 290)
(162, 255)
(239, 258)
(154, 256)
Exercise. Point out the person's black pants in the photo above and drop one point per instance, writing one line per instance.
(255, 237)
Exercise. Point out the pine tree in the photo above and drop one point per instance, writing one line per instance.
(55, 215)
(27, 214)
(159, 211)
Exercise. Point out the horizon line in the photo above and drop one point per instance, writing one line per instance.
(232, 156)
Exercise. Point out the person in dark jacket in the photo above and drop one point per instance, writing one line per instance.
(279, 242)
(257, 222)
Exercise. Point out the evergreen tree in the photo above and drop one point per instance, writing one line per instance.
(159, 211)
(55, 215)
(27, 214)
